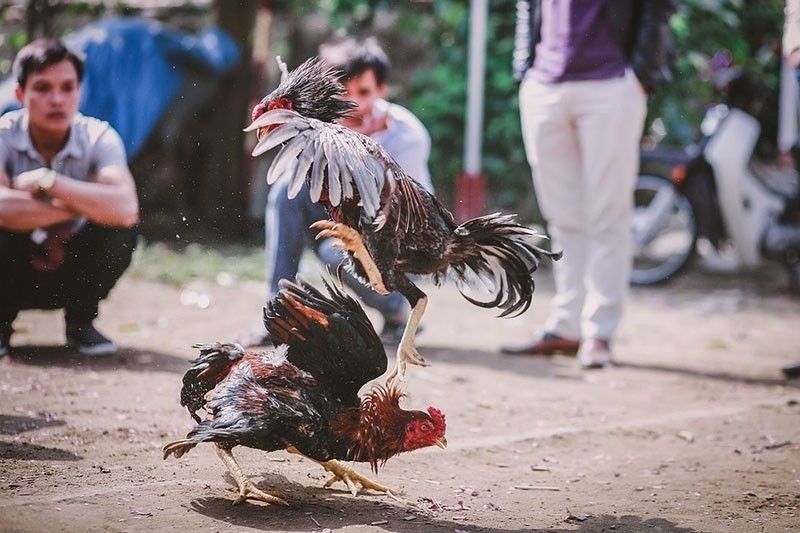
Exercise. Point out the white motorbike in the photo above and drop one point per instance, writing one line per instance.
(715, 200)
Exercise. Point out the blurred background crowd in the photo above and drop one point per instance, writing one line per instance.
(209, 61)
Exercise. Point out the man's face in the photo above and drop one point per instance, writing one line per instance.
(364, 90)
(51, 97)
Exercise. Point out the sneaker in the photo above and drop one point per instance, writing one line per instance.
(88, 341)
(5, 339)
(594, 353)
(547, 344)
(791, 372)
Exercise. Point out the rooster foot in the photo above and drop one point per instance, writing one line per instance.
(246, 489)
(354, 481)
(406, 354)
(248, 492)
(350, 240)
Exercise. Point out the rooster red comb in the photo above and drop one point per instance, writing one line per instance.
(438, 418)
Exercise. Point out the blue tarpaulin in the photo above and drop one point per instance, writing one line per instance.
(134, 69)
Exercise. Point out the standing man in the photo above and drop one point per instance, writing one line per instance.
(364, 69)
(787, 119)
(586, 68)
(67, 200)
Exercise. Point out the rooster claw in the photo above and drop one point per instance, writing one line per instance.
(355, 482)
(405, 355)
(249, 492)
(325, 228)
(397, 376)
(347, 238)
(323, 224)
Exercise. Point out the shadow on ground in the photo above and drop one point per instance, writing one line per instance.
(557, 367)
(628, 524)
(14, 425)
(716, 375)
(32, 452)
(127, 358)
(563, 367)
(314, 508)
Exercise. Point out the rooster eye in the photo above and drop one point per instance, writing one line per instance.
(425, 427)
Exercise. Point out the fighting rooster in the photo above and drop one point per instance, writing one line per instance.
(389, 225)
(302, 396)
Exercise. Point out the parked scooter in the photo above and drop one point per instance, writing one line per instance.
(716, 199)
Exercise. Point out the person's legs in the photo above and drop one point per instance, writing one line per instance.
(552, 147)
(287, 232)
(14, 277)
(95, 259)
(14, 281)
(610, 118)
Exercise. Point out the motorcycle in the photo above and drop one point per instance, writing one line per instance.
(716, 199)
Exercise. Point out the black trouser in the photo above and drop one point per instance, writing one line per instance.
(94, 260)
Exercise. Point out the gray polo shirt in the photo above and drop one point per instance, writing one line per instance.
(407, 141)
(93, 144)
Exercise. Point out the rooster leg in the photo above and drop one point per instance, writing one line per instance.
(350, 240)
(354, 481)
(246, 489)
(406, 350)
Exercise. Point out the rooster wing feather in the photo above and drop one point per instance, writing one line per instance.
(329, 336)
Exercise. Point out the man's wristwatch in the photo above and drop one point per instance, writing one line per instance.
(47, 180)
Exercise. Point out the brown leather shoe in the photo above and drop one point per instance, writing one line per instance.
(548, 344)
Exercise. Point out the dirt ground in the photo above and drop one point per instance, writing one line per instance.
(695, 430)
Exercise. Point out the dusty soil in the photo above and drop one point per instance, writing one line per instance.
(695, 430)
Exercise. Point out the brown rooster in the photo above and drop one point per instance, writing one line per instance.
(389, 225)
(302, 396)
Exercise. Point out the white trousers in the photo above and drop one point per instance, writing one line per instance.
(582, 141)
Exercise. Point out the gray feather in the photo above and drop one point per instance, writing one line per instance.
(301, 171)
(286, 157)
(275, 137)
(317, 172)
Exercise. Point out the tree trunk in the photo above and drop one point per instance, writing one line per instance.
(223, 191)
(38, 15)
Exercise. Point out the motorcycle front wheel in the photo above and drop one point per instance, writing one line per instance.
(664, 231)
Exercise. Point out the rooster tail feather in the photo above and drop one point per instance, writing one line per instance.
(210, 368)
(178, 448)
(205, 431)
(501, 253)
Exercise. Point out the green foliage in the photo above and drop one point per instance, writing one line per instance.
(174, 266)
(438, 96)
(748, 31)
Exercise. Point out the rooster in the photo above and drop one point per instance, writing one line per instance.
(389, 225)
(302, 396)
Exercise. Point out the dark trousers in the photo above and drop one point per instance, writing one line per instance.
(94, 260)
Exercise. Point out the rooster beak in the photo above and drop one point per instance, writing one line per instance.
(271, 118)
(265, 124)
(441, 443)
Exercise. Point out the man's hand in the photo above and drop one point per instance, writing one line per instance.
(29, 181)
(794, 58)
(368, 125)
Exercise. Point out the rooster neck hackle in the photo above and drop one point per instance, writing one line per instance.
(376, 428)
(315, 91)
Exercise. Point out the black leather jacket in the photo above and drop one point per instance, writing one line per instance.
(640, 26)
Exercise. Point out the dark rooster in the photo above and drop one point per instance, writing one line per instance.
(390, 226)
(302, 396)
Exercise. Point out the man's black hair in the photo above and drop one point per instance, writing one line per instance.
(353, 57)
(40, 54)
